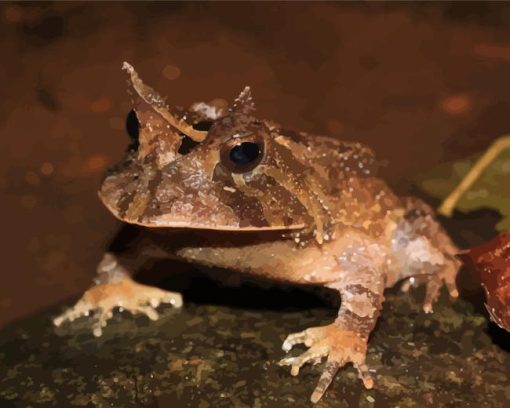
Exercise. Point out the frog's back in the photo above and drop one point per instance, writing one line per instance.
(345, 174)
(331, 158)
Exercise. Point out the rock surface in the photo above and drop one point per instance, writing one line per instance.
(224, 355)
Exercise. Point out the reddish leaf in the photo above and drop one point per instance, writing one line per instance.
(492, 261)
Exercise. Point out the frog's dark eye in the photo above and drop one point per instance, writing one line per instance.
(133, 128)
(244, 153)
(242, 157)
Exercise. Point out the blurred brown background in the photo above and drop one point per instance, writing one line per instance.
(420, 83)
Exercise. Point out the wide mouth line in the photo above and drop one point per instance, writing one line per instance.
(183, 225)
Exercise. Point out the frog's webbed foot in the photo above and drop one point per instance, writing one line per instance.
(340, 346)
(123, 293)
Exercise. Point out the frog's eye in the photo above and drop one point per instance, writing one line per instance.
(242, 156)
(133, 128)
(244, 153)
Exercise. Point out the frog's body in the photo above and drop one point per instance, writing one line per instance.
(280, 205)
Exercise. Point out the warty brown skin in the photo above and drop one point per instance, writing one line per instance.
(277, 204)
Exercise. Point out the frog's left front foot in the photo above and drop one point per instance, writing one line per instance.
(115, 289)
(340, 346)
(125, 294)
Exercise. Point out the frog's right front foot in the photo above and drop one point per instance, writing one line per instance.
(121, 292)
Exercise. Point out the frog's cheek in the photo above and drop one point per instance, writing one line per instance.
(199, 213)
(212, 206)
(183, 198)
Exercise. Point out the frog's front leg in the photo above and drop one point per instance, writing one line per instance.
(114, 288)
(345, 340)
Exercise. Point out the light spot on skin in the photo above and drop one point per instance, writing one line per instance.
(211, 112)
(359, 304)
(420, 250)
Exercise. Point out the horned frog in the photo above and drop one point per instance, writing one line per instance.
(249, 196)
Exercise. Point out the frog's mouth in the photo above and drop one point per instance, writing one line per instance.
(168, 222)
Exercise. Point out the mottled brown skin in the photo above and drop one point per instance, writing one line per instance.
(282, 205)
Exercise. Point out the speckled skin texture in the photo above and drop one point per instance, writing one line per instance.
(300, 209)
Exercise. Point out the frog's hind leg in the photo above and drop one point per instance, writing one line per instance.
(444, 274)
(426, 252)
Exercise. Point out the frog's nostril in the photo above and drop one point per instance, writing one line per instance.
(187, 144)
(203, 125)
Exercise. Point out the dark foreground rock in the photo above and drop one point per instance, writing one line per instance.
(226, 356)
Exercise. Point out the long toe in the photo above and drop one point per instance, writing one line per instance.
(81, 308)
(314, 355)
(332, 367)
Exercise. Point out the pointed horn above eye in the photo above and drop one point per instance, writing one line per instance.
(151, 97)
(244, 102)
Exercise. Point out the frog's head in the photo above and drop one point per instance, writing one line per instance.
(208, 168)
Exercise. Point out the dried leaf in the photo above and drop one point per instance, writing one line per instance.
(492, 262)
(474, 183)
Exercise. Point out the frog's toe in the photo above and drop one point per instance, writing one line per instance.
(82, 308)
(293, 339)
(431, 294)
(327, 376)
(307, 337)
(336, 360)
(406, 285)
(433, 287)
(451, 285)
(155, 296)
(364, 375)
(100, 320)
(147, 310)
(313, 355)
